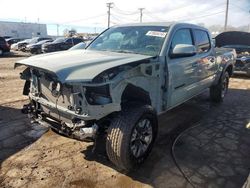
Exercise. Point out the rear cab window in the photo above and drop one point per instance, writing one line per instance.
(202, 41)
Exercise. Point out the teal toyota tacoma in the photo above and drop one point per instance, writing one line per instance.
(122, 81)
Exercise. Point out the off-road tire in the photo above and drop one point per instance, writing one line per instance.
(218, 92)
(119, 134)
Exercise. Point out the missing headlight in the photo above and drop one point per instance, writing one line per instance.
(55, 88)
(99, 95)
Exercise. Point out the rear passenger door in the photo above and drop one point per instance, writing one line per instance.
(206, 58)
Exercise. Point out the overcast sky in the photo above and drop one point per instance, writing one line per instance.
(93, 13)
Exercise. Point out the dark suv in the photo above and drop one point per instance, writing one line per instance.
(4, 46)
(61, 44)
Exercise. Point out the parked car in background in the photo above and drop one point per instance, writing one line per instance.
(22, 44)
(4, 46)
(61, 44)
(13, 40)
(122, 81)
(7, 37)
(37, 47)
(240, 41)
(19, 45)
(34, 41)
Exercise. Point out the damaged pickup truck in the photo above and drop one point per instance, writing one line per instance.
(122, 81)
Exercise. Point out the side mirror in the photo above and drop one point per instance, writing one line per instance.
(183, 50)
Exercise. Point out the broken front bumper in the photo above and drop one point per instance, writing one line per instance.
(242, 64)
(94, 112)
(77, 130)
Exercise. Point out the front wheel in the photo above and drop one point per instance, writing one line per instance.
(218, 92)
(131, 136)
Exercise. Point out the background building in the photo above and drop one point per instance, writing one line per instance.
(22, 30)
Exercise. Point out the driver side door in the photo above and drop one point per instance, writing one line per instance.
(182, 70)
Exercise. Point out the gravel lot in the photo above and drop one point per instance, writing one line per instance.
(215, 153)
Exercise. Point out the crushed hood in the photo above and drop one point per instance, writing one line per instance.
(233, 38)
(80, 65)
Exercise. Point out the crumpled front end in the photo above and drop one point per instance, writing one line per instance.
(243, 63)
(71, 109)
(74, 92)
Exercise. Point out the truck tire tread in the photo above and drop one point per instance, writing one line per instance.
(119, 133)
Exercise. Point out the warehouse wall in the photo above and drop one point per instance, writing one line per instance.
(22, 30)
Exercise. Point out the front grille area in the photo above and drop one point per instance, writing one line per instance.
(239, 63)
(62, 99)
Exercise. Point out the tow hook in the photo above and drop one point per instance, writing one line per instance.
(27, 108)
(86, 132)
(89, 131)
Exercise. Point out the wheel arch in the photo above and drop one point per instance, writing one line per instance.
(229, 69)
(133, 93)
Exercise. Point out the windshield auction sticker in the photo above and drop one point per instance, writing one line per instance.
(156, 34)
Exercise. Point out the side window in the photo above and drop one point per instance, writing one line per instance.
(182, 36)
(202, 41)
(76, 40)
(69, 41)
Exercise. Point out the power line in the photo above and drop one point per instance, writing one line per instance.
(198, 17)
(203, 16)
(116, 19)
(153, 16)
(121, 18)
(239, 7)
(123, 11)
(185, 18)
(83, 19)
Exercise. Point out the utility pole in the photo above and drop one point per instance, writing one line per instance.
(109, 5)
(39, 30)
(57, 27)
(141, 9)
(226, 16)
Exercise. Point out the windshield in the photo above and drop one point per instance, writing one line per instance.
(33, 41)
(146, 40)
(59, 40)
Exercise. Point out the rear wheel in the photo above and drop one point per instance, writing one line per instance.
(131, 136)
(1, 52)
(218, 92)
